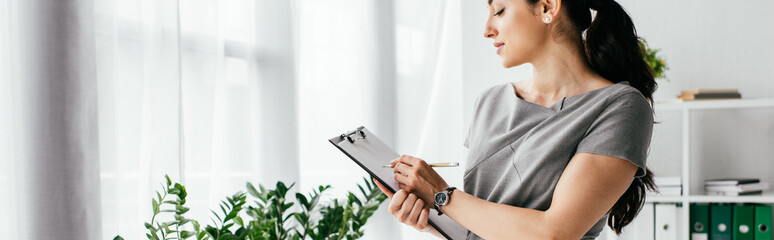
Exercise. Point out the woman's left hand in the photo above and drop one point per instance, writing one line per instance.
(415, 176)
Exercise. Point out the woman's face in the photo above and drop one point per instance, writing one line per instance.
(517, 29)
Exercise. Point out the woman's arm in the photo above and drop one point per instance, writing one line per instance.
(587, 189)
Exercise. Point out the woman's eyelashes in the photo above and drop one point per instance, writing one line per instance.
(499, 12)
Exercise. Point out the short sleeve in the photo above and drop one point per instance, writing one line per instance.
(476, 106)
(623, 130)
(467, 140)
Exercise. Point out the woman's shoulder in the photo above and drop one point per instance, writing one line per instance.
(620, 98)
(624, 99)
(493, 93)
(496, 89)
(622, 91)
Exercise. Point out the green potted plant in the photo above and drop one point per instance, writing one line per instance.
(268, 216)
(656, 63)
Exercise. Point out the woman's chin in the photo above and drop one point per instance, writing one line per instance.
(508, 64)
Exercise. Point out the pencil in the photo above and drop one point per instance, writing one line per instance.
(446, 164)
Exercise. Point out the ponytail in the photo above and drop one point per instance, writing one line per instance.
(613, 48)
(614, 52)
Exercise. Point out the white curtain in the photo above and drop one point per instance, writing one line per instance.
(393, 66)
(201, 90)
(48, 116)
(6, 184)
(139, 113)
(218, 93)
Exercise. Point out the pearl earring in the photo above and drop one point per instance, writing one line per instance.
(547, 20)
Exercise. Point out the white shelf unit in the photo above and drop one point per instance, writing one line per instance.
(688, 197)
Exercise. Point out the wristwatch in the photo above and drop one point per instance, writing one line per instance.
(442, 198)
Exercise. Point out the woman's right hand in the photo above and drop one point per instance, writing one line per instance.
(407, 208)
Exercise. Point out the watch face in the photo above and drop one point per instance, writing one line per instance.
(440, 199)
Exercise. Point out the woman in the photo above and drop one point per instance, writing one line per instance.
(560, 154)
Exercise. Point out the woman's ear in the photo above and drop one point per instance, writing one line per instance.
(549, 9)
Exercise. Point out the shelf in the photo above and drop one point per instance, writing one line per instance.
(765, 197)
(685, 108)
(714, 104)
(663, 199)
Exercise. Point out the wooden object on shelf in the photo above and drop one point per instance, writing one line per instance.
(695, 91)
(709, 94)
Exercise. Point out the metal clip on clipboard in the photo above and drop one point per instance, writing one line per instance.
(349, 134)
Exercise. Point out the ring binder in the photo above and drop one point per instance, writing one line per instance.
(349, 134)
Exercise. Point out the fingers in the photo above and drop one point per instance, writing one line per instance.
(405, 209)
(383, 188)
(403, 181)
(409, 160)
(422, 224)
(404, 169)
(416, 210)
(397, 202)
(402, 173)
(410, 210)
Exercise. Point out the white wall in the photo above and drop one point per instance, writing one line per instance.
(713, 44)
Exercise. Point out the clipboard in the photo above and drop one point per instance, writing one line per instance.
(371, 153)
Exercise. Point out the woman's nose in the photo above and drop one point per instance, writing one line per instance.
(489, 32)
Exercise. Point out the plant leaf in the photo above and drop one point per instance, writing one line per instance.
(186, 234)
(239, 221)
(155, 207)
(302, 200)
(169, 181)
(216, 215)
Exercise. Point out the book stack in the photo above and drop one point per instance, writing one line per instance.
(709, 94)
(668, 186)
(735, 186)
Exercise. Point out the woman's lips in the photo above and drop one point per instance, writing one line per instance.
(499, 47)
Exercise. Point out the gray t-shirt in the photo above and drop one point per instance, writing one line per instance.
(518, 149)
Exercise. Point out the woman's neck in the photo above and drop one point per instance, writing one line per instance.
(564, 71)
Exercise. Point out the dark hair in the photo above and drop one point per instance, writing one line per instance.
(613, 51)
